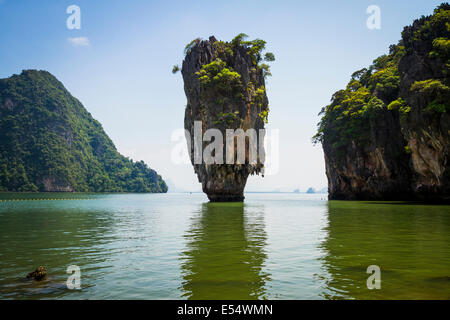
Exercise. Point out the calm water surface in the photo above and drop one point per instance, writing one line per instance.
(179, 246)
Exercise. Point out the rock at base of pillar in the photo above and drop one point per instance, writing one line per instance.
(226, 197)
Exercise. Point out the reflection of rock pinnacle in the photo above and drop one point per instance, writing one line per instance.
(225, 255)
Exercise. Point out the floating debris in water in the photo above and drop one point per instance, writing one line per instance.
(38, 274)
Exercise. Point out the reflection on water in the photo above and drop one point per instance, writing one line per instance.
(410, 243)
(172, 246)
(225, 254)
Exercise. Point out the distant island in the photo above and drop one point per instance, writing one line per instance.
(386, 136)
(51, 143)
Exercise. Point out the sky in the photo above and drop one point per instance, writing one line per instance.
(118, 64)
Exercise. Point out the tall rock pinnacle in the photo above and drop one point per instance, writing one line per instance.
(225, 89)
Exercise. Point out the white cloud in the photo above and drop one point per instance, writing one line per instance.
(79, 41)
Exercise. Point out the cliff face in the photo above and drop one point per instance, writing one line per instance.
(376, 170)
(50, 142)
(424, 85)
(225, 89)
(386, 136)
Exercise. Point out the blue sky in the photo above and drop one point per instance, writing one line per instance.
(123, 77)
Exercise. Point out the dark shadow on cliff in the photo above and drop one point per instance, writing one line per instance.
(225, 254)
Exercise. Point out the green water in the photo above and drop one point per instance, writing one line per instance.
(178, 246)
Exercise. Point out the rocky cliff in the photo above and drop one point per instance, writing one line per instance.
(50, 142)
(225, 89)
(386, 135)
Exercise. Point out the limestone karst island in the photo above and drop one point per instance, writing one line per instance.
(50, 142)
(225, 90)
(386, 136)
(228, 151)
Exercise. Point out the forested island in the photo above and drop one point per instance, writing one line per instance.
(387, 134)
(51, 143)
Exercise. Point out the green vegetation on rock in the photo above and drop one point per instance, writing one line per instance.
(224, 81)
(439, 92)
(377, 88)
(175, 69)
